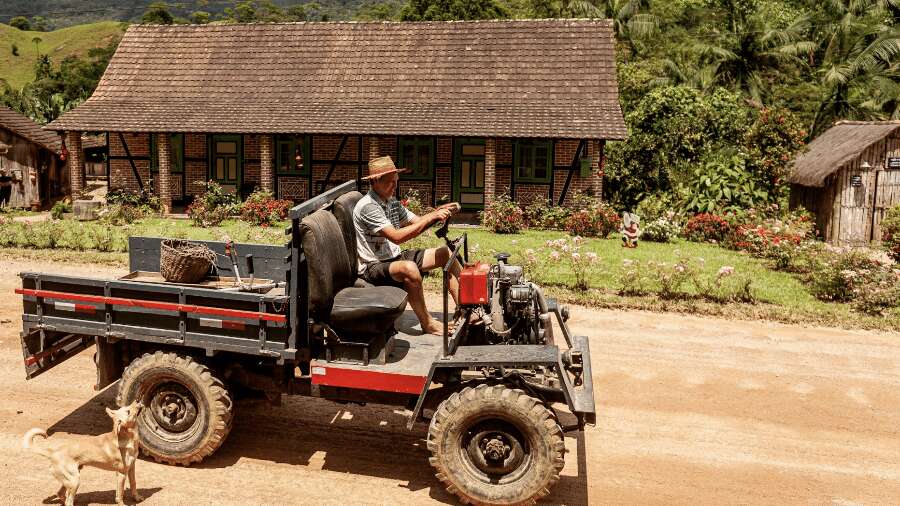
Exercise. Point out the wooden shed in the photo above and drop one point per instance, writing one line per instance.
(849, 177)
(31, 156)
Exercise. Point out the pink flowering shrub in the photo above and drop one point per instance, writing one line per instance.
(599, 220)
(844, 276)
(569, 251)
(672, 281)
(890, 232)
(503, 216)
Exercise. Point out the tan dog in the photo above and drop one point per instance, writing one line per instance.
(115, 451)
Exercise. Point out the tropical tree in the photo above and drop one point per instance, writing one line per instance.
(745, 51)
(20, 22)
(158, 14)
(632, 19)
(859, 42)
(450, 10)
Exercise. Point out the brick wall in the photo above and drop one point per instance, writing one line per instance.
(564, 150)
(120, 171)
(324, 149)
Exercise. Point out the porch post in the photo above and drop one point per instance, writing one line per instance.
(163, 145)
(597, 159)
(75, 163)
(266, 179)
(490, 170)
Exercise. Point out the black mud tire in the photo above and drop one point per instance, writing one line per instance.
(201, 418)
(502, 414)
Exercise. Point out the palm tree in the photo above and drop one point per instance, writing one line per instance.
(748, 50)
(858, 67)
(631, 18)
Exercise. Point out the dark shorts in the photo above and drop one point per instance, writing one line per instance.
(378, 273)
(5, 192)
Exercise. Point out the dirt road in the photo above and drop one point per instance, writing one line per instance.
(692, 411)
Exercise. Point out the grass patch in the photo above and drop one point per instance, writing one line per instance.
(781, 296)
(65, 256)
(58, 44)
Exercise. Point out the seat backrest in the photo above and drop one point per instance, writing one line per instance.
(326, 257)
(343, 211)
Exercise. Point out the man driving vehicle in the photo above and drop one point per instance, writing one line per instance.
(382, 223)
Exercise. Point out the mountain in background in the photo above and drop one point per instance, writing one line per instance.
(63, 13)
(19, 49)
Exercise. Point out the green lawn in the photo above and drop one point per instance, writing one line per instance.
(58, 44)
(780, 296)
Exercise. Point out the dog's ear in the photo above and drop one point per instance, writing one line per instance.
(112, 414)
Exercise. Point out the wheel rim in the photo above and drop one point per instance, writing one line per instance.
(173, 412)
(495, 451)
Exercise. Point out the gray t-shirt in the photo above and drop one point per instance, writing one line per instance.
(370, 216)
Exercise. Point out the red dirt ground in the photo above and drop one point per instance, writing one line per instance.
(691, 411)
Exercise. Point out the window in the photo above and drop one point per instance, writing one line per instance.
(416, 154)
(292, 154)
(532, 161)
(176, 153)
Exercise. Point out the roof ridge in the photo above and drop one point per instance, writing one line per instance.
(874, 122)
(353, 22)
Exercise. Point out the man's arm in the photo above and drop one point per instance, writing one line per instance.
(414, 226)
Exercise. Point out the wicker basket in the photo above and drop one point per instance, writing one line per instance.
(183, 261)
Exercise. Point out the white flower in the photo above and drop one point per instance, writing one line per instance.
(726, 270)
(679, 268)
(576, 256)
(577, 239)
(554, 255)
(514, 241)
(627, 262)
(591, 256)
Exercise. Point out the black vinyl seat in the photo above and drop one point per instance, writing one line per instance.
(354, 313)
(343, 210)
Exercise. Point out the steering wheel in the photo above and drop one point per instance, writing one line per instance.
(442, 231)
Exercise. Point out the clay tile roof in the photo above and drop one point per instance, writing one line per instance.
(26, 128)
(839, 144)
(522, 78)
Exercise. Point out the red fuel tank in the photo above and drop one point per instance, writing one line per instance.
(473, 284)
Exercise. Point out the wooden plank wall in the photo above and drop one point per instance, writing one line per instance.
(858, 210)
(21, 159)
(887, 192)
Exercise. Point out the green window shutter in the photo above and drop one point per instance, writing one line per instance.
(176, 153)
(417, 155)
(177, 143)
(154, 154)
(585, 166)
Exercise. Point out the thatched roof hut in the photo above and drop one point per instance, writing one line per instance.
(849, 177)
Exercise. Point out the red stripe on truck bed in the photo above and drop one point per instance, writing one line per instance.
(366, 380)
(187, 308)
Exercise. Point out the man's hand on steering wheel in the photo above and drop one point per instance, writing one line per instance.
(443, 212)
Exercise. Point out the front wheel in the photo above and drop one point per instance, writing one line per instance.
(495, 445)
(187, 410)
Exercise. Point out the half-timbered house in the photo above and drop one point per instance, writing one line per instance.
(474, 109)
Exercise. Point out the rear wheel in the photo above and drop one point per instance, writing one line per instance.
(187, 410)
(495, 445)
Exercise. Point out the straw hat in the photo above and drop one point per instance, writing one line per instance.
(381, 166)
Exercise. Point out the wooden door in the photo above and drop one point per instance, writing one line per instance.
(887, 195)
(468, 187)
(225, 161)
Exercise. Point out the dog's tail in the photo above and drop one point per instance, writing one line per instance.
(28, 440)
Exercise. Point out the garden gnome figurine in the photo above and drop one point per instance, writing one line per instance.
(630, 230)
